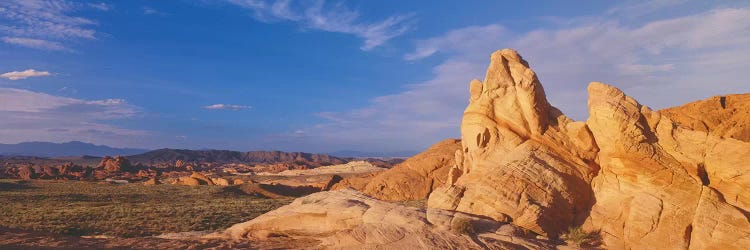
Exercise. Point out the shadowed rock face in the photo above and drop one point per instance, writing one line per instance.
(628, 171)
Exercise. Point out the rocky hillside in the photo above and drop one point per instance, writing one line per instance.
(634, 177)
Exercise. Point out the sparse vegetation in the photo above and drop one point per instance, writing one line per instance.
(463, 226)
(576, 236)
(131, 210)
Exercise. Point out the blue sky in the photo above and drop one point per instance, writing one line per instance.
(322, 76)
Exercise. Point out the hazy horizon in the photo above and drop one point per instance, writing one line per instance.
(326, 76)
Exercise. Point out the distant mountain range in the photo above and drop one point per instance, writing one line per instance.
(361, 154)
(73, 148)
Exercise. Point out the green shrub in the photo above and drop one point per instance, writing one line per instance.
(576, 236)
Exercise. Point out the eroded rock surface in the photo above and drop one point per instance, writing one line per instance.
(724, 116)
(641, 179)
(349, 219)
(412, 179)
(521, 159)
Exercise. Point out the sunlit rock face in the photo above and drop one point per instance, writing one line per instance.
(642, 179)
(522, 159)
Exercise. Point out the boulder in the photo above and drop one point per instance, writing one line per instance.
(188, 181)
(220, 181)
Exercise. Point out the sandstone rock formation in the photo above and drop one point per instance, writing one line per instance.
(26, 173)
(202, 179)
(152, 181)
(628, 171)
(361, 222)
(412, 179)
(723, 116)
(522, 159)
(187, 181)
(354, 167)
(220, 181)
(641, 179)
(116, 164)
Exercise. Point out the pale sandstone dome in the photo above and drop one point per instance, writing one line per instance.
(412, 179)
(636, 176)
(351, 220)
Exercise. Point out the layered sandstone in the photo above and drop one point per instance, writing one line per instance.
(412, 179)
(723, 116)
(361, 222)
(522, 160)
(629, 171)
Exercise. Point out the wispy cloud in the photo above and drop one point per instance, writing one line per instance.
(227, 107)
(101, 6)
(46, 24)
(35, 116)
(661, 62)
(35, 43)
(336, 17)
(19, 75)
(147, 10)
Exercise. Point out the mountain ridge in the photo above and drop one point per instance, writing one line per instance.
(64, 149)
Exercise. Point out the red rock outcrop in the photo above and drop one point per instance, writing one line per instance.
(26, 173)
(116, 164)
(412, 179)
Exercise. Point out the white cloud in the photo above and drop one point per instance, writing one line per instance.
(34, 116)
(469, 40)
(661, 63)
(46, 24)
(19, 75)
(35, 43)
(337, 18)
(227, 107)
